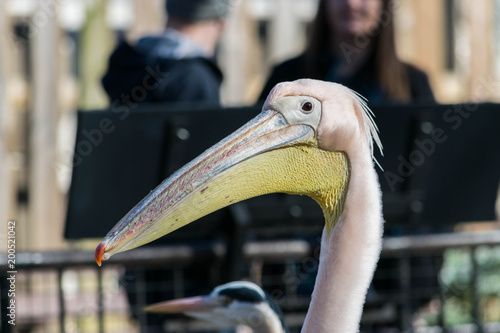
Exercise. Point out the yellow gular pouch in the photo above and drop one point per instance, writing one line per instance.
(299, 169)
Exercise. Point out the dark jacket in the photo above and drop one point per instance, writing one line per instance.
(165, 68)
(364, 81)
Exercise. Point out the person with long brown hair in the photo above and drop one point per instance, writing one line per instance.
(352, 42)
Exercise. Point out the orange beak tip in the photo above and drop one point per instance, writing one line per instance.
(99, 252)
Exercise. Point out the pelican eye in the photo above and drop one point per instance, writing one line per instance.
(306, 107)
(227, 301)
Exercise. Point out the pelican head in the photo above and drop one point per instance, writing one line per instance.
(298, 144)
(234, 303)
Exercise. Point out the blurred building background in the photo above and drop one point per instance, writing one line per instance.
(54, 53)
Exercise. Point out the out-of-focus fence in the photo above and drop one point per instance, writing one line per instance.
(67, 292)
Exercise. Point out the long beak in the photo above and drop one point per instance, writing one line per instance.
(267, 155)
(185, 305)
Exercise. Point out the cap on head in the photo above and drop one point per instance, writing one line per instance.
(197, 10)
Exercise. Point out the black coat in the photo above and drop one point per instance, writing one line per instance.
(134, 77)
(364, 81)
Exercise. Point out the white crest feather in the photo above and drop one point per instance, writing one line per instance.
(369, 124)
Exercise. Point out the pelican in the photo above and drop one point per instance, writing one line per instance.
(312, 138)
(234, 303)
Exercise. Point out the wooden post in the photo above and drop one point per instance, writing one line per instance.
(481, 26)
(96, 44)
(149, 18)
(286, 38)
(419, 34)
(8, 188)
(3, 116)
(45, 202)
(238, 55)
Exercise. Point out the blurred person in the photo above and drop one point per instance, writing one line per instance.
(175, 66)
(352, 42)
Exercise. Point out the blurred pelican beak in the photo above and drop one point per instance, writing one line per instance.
(266, 155)
(186, 305)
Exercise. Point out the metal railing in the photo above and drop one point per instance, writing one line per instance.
(257, 253)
